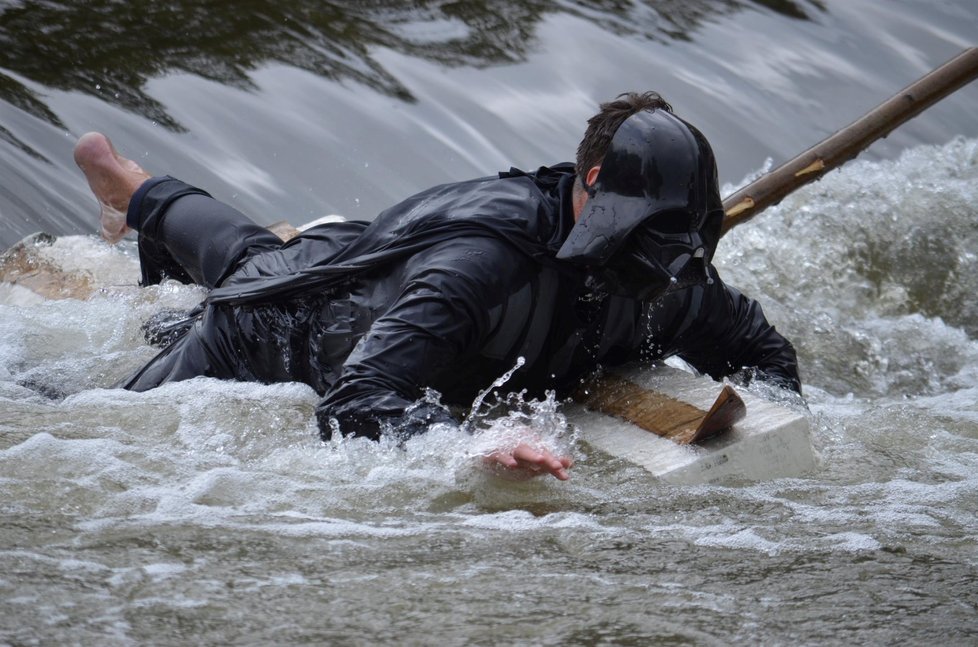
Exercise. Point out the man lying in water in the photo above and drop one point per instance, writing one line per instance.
(562, 269)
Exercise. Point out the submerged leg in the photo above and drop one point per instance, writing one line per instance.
(112, 178)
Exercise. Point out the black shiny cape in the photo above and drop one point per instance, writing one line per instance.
(448, 289)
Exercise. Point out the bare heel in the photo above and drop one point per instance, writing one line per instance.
(113, 223)
(112, 178)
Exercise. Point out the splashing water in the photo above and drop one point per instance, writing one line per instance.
(497, 383)
(513, 420)
(211, 513)
(882, 302)
(507, 421)
(185, 507)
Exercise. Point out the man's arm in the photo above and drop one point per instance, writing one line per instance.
(440, 319)
(382, 382)
(719, 331)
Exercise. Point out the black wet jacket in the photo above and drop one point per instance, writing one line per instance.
(447, 290)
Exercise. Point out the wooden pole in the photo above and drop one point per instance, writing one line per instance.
(851, 140)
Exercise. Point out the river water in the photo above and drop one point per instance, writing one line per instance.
(209, 512)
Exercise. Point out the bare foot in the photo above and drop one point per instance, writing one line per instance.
(112, 178)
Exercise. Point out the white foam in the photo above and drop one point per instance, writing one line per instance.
(872, 271)
(16, 295)
(851, 542)
(892, 388)
(729, 536)
(523, 521)
(106, 264)
(163, 570)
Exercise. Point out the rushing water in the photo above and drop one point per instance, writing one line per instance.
(208, 512)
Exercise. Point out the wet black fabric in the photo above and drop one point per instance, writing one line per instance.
(446, 290)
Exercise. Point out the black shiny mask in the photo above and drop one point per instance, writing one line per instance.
(659, 169)
(652, 219)
(659, 260)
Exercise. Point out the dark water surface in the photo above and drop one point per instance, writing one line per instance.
(293, 110)
(208, 512)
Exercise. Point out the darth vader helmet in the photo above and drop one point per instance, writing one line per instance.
(652, 220)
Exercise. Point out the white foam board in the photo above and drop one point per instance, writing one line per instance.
(773, 441)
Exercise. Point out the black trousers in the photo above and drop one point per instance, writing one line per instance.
(186, 234)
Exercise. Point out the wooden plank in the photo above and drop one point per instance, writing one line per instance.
(659, 413)
(772, 441)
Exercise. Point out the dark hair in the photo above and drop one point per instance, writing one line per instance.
(602, 126)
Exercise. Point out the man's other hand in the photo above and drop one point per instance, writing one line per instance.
(525, 461)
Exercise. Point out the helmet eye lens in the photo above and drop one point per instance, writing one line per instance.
(673, 221)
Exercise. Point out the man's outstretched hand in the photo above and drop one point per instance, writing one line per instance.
(525, 461)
